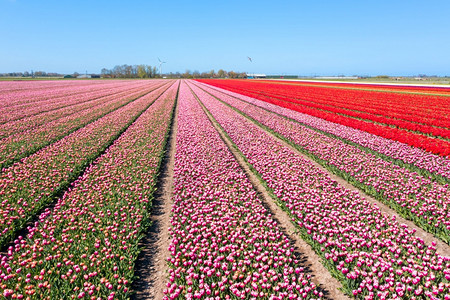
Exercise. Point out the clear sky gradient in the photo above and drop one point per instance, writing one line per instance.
(298, 37)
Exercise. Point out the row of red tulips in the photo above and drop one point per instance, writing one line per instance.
(86, 247)
(397, 88)
(385, 104)
(418, 125)
(382, 109)
(431, 144)
(373, 255)
(225, 245)
(411, 122)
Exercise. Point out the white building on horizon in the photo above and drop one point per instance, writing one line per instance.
(254, 75)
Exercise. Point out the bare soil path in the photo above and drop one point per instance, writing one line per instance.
(151, 266)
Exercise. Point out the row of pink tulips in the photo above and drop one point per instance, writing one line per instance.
(46, 103)
(13, 86)
(373, 255)
(87, 246)
(11, 92)
(15, 147)
(43, 91)
(225, 245)
(34, 117)
(30, 185)
(415, 197)
(416, 159)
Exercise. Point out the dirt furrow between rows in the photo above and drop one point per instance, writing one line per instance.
(151, 266)
(311, 261)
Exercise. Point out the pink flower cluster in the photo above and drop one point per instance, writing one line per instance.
(79, 101)
(86, 247)
(415, 197)
(372, 255)
(29, 186)
(225, 245)
(40, 96)
(22, 144)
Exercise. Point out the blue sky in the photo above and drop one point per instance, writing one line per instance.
(282, 37)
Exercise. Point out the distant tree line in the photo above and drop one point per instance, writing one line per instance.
(128, 71)
(146, 71)
(135, 71)
(31, 74)
(212, 74)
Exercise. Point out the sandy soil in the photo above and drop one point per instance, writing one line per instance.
(151, 267)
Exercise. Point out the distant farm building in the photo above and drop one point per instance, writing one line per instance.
(84, 76)
(254, 75)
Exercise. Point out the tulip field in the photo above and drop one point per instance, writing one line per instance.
(424, 124)
(86, 245)
(360, 173)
